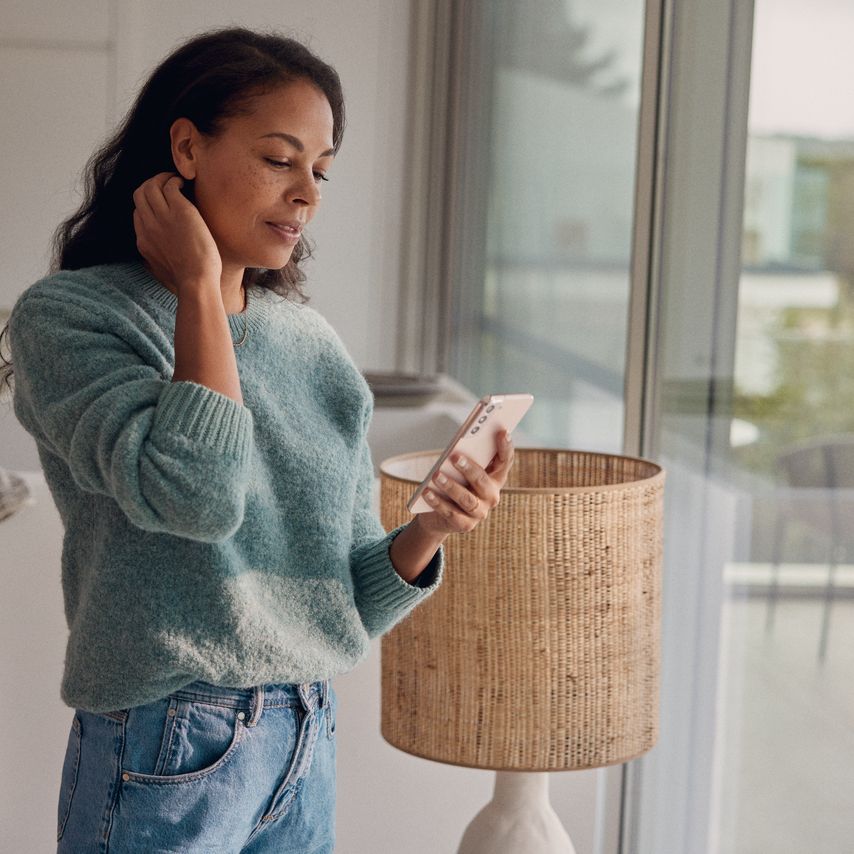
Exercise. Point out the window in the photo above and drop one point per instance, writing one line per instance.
(540, 301)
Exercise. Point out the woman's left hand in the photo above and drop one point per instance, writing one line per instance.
(459, 509)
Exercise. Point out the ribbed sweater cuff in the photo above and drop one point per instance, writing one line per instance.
(203, 415)
(379, 582)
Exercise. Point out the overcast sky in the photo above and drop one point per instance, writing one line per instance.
(802, 79)
(802, 76)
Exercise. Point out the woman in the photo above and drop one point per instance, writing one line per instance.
(204, 438)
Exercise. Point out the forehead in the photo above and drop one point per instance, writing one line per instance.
(297, 108)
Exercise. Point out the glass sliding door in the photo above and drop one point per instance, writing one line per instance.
(785, 736)
(753, 416)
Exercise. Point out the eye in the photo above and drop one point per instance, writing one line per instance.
(281, 164)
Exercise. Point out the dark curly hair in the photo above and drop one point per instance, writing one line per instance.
(208, 78)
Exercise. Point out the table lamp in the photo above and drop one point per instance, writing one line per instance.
(540, 650)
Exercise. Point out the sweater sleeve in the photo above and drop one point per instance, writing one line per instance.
(383, 598)
(174, 456)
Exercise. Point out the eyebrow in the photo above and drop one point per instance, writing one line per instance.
(296, 143)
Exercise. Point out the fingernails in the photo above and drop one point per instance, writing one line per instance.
(429, 496)
(462, 462)
(441, 478)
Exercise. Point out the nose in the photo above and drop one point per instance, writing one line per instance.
(306, 190)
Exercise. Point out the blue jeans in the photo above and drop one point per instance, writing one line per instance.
(206, 769)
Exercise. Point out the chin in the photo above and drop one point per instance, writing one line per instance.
(269, 260)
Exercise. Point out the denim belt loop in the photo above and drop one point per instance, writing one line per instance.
(324, 693)
(257, 705)
(304, 691)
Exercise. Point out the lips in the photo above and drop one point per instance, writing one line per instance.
(292, 228)
(287, 232)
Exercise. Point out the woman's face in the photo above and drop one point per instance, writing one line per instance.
(257, 183)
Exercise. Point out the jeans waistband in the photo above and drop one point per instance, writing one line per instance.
(308, 695)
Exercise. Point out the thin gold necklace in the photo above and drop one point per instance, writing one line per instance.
(245, 317)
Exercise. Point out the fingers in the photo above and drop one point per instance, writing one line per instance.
(454, 520)
(475, 502)
(154, 203)
(482, 484)
(505, 448)
(153, 196)
(464, 498)
(462, 508)
(172, 192)
(148, 210)
(141, 202)
(503, 459)
(162, 190)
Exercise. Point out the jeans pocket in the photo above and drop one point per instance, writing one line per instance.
(331, 712)
(70, 767)
(176, 740)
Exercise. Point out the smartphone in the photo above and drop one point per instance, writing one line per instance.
(477, 439)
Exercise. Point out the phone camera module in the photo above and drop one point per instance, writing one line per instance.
(490, 407)
(475, 429)
(481, 419)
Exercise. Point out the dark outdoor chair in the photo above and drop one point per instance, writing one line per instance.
(818, 471)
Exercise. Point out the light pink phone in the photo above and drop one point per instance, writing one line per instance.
(477, 439)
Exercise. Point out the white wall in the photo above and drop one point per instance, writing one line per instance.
(63, 88)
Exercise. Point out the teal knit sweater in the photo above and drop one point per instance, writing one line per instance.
(204, 539)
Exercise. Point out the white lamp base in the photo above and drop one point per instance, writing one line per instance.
(518, 820)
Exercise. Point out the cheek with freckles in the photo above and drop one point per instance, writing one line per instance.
(262, 194)
(238, 201)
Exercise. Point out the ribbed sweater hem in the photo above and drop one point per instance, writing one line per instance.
(379, 582)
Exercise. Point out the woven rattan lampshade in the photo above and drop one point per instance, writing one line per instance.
(540, 650)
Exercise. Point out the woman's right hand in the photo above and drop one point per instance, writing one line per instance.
(171, 234)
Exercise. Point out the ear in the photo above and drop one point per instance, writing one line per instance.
(186, 144)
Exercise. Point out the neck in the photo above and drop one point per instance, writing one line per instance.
(231, 286)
